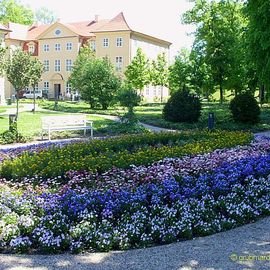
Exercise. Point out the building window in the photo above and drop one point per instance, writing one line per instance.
(119, 42)
(31, 48)
(68, 88)
(57, 65)
(93, 45)
(46, 47)
(155, 91)
(159, 90)
(46, 65)
(105, 42)
(46, 87)
(147, 90)
(36, 87)
(68, 65)
(57, 47)
(119, 63)
(69, 46)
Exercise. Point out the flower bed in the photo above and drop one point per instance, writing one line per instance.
(169, 200)
(120, 152)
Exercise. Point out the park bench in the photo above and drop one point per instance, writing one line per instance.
(67, 122)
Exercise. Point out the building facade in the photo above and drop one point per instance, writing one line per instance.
(57, 46)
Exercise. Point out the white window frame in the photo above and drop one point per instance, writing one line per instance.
(46, 47)
(35, 88)
(68, 88)
(46, 65)
(46, 85)
(119, 42)
(105, 42)
(68, 64)
(69, 46)
(31, 48)
(119, 63)
(147, 91)
(57, 65)
(92, 45)
(57, 47)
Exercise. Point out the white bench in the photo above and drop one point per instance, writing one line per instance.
(68, 122)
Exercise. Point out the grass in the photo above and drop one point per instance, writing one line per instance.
(29, 124)
(152, 114)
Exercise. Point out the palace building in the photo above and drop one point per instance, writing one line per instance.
(57, 46)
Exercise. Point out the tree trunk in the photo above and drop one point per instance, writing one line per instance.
(221, 93)
(34, 108)
(161, 94)
(262, 94)
(17, 105)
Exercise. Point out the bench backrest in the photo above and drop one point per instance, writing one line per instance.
(62, 121)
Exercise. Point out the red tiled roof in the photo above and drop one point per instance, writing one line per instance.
(4, 28)
(85, 28)
(118, 23)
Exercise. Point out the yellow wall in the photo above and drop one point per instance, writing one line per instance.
(113, 51)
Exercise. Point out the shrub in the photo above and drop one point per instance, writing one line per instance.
(245, 109)
(182, 106)
(129, 98)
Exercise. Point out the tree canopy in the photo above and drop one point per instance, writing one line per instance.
(138, 71)
(14, 11)
(95, 79)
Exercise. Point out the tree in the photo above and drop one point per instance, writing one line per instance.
(17, 72)
(159, 73)
(45, 16)
(13, 11)
(258, 42)
(2, 60)
(129, 98)
(138, 71)
(95, 79)
(35, 71)
(179, 71)
(220, 25)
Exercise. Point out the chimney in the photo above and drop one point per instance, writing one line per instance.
(58, 19)
(96, 18)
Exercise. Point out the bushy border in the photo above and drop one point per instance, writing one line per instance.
(122, 152)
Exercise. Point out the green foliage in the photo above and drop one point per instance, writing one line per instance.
(12, 135)
(2, 60)
(182, 106)
(13, 11)
(101, 155)
(129, 98)
(258, 39)
(179, 71)
(95, 79)
(45, 16)
(245, 108)
(219, 35)
(138, 71)
(159, 72)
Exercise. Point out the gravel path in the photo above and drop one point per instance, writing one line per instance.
(211, 252)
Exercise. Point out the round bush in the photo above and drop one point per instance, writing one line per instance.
(182, 106)
(245, 109)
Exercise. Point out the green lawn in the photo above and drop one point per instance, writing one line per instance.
(29, 124)
(152, 114)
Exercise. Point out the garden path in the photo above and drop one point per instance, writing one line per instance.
(212, 252)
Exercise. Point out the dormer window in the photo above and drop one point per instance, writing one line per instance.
(31, 48)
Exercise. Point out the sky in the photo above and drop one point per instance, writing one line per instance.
(159, 18)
